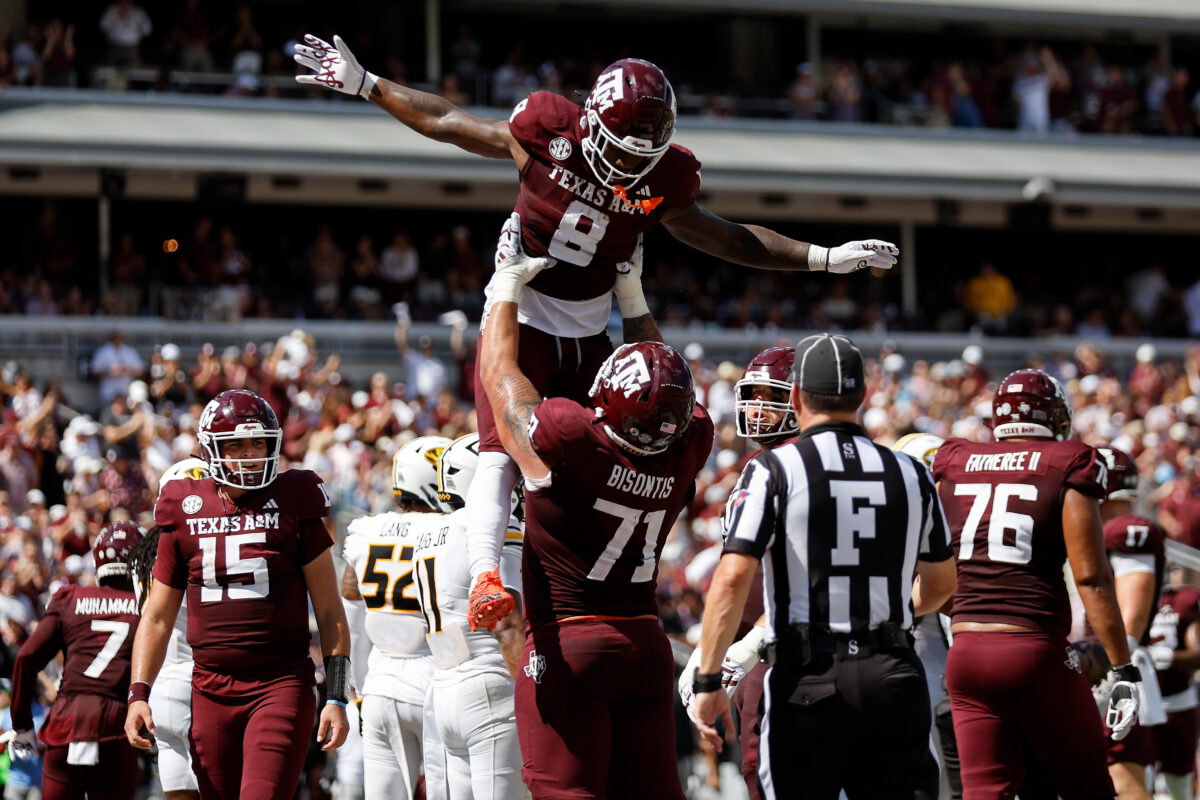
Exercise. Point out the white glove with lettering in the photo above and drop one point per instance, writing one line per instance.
(685, 685)
(1162, 655)
(853, 256)
(24, 745)
(517, 269)
(628, 287)
(1122, 712)
(740, 658)
(334, 66)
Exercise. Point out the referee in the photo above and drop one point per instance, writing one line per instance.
(854, 543)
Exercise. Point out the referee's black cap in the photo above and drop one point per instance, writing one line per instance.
(828, 364)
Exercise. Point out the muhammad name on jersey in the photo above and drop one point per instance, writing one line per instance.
(235, 523)
(1019, 461)
(105, 606)
(641, 485)
(585, 190)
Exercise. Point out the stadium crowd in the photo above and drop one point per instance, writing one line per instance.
(885, 78)
(66, 471)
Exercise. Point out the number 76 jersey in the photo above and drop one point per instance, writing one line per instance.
(1004, 504)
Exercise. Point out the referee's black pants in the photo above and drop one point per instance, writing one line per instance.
(858, 723)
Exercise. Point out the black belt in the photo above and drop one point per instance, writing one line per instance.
(797, 644)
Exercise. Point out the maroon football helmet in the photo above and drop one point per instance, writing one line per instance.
(1122, 474)
(645, 392)
(240, 414)
(112, 548)
(763, 398)
(1031, 403)
(629, 113)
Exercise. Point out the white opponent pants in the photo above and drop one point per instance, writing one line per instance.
(470, 723)
(171, 709)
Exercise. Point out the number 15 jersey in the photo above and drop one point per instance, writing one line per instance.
(241, 566)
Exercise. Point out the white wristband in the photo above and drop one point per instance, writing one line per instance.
(506, 287)
(630, 298)
(818, 258)
(369, 81)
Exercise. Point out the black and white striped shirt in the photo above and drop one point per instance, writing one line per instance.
(840, 523)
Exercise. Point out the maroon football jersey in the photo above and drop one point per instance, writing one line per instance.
(241, 567)
(567, 214)
(594, 535)
(93, 627)
(1177, 611)
(1004, 503)
(1130, 534)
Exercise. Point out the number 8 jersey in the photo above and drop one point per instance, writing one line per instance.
(567, 214)
(241, 566)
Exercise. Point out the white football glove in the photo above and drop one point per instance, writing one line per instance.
(1162, 656)
(1122, 712)
(628, 287)
(853, 256)
(24, 745)
(685, 685)
(334, 66)
(740, 658)
(517, 269)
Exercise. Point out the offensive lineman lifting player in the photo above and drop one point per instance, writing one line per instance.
(592, 181)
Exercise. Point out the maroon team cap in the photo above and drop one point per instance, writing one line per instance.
(828, 364)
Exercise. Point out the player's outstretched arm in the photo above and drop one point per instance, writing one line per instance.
(322, 582)
(149, 650)
(756, 246)
(335, 67)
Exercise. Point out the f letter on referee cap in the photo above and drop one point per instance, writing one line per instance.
(828, 364)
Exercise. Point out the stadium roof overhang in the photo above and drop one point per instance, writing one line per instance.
(313, 152)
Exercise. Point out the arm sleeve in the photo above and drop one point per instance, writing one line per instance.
(750, 513)
(39, 648)
(360, 644)
(169, 565)
(510, 557)
(935, 533)
(314, 539)
(558, 425)
(1086, 473)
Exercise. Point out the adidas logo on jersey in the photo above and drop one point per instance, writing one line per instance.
(270, 504)
(644, 191)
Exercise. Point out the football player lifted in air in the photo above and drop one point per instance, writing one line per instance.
(249, 547)
(470, 716)
(593, 180)
(380, 575)
(604, 483)
(93, 627)
(1018, 508)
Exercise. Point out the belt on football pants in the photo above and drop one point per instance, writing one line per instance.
(797, 644)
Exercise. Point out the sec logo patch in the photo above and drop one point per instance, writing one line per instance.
(560, 148)
(191, 504)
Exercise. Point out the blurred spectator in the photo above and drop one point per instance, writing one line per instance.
(512, 80)
(1179, 513)
(190, 35)
(804, 93)
(27, 58)
(424, 373)
(1120, 102)
(115, 364)
(6, 65)
(1093, 326)
(1177, 114)
(198, 256)
(58, 54)
(246, 43)
(325, 262)
(991, 298)
(964, 111)
(845, 94)
(398, 268)
(128, 269)
(363, 280)
(449, 90)
(42, 303)
(464, 279)
(18, 472)
(465, 52)
(232, 298)
(207, 378)
(125, 26)
(1038, 75)
(1145, 289)
(169, 385)
(1191, 307)
(124, 484)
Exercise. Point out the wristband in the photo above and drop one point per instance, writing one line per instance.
(1128, 673)
(369, 81)
(139, 691)
(337, 679)
(332, 702)
(818, 258)
(703, 682)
